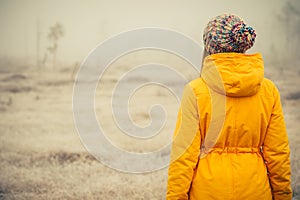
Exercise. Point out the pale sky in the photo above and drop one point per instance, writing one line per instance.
(87, 23)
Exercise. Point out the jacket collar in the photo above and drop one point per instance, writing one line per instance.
(233, 74)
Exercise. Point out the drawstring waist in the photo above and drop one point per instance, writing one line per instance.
(232, 150)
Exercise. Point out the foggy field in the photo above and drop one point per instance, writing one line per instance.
(42, 156)
(41, 153)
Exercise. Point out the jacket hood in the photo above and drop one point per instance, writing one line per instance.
(233, 74)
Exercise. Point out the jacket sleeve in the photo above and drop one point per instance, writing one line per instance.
(277, 153)
(185, 147)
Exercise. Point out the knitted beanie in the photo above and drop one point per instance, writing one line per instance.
(228, 33)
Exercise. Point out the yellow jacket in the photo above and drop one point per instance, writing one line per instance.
(230, 139)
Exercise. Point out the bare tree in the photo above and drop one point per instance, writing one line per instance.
(291, 24)
(55, 33)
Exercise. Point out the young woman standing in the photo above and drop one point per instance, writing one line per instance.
(230, 140)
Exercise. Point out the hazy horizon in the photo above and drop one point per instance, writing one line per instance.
(88, 23)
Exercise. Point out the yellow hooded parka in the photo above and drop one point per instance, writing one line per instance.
(230, 140)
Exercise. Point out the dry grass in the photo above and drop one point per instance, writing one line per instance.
(42, 157)
(64, 175)
(41, 154)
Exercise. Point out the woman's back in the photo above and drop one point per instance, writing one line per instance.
(230, 140)
(234, 166)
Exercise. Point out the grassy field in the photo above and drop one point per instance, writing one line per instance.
(42, 156)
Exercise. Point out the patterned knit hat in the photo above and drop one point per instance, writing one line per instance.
(228, 33)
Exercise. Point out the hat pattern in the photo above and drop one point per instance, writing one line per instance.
(228, 33)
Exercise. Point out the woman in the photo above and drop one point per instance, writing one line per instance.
(230, 140)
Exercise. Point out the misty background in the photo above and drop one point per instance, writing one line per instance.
(25, 25)
(43, 43)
